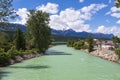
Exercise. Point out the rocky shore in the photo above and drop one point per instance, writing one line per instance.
(105, 54)
(19, 59)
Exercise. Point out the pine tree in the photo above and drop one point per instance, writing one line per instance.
(90, 43)
(19, 40)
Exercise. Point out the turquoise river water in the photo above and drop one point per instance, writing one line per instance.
(62, 63)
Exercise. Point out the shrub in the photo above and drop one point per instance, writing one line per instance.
(84, 47)
(79, 44)
(117, 51)
(6, 46)
(4, 57)
(13, 52)
(70, 43)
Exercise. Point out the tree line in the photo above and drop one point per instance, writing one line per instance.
(88, 43)
(35, 40)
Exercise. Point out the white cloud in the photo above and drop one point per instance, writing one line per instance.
(51, 8)
(118, 22)
(109, 30)
(75, 19)
(87, 11)
(114, 12)
(23, 12)
(68, 18)
(81, 1)
(93, 8)
(116, 15)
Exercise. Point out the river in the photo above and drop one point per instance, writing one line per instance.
(62, 63)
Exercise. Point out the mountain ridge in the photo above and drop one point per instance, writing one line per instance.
(69, 32)
(82, 34)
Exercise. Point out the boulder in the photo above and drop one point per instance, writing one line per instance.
(18, 59)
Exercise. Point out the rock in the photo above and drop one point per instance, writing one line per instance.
(106, 54)
(37, 54)
(12, 61)
(18, 59)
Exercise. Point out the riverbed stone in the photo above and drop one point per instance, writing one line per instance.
(18, 59)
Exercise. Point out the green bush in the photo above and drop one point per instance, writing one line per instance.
(28, 52)
(117, 51)
(6, 46)
(78, 45)
(4, 57)
(84, 47)
(4, 37)
(13, 52)
(70, 43)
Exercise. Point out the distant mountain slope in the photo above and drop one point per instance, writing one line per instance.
(12, 27)
(68, 33)
(83, 34)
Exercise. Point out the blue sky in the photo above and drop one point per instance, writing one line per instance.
(79, 15)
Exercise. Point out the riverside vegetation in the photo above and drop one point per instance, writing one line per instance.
(19, 45)
(88, 46)
(82, 44)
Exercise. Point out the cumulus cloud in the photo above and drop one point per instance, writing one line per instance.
(69, 18)
(109, 30)
(118, 22)
(51, 8)
(87, 11)
(75, 19)
(23, 12)
(114, 12)
(81, 1)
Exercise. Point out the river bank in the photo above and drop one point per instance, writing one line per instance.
(19, 58)
(67, 64)
(105, 54)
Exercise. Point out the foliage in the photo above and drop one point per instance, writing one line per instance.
(39, 30)
(13, 52)
(6, 46)
(6, 10)
(117, 3)
(4, 41)
(4, 57)
(90, 43)
(117, 51)
(79, 44)
(29, 51)
(115, 39)
(84, 47)
(4, 37)
(70, 43)
(19, 40)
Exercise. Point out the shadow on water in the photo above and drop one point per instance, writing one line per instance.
(3, 74)
(53, 52)
(30, 67)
